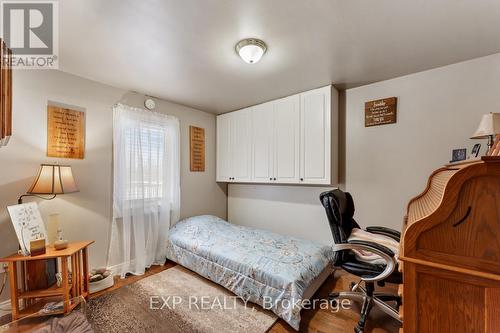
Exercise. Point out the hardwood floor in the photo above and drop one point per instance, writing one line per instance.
(342, 321)
(313, 321)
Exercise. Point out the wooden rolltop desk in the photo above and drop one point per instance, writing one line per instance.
(450, 251)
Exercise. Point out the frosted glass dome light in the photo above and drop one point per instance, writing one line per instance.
(251, 50)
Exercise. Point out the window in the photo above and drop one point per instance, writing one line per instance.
(146, 187)
(145, 150)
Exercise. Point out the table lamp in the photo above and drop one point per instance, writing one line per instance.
(488, 128)
(51, 179)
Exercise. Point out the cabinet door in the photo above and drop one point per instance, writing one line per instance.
(286, 139)
(240, 145)
(223, 148)
(262, 143)
(315, 141)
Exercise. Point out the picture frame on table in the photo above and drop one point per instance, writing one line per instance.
(28, 224)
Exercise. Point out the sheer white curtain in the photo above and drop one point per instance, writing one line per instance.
(146, 187)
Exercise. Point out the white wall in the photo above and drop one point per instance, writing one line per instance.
(387, 165)
(87, 214)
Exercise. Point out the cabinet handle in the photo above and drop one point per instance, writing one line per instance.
(301, 179)
(462, 220)
(274, 178)
(270, 178)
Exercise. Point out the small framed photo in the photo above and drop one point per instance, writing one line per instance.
(475, 150)
(458, 155)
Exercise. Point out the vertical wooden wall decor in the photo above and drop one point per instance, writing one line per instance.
(5, 93)
(381, 112)
(66, 132)
(197, 147)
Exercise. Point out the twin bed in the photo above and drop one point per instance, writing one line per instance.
(275, 271)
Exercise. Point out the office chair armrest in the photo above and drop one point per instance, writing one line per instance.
(396, 235)
(378, 249)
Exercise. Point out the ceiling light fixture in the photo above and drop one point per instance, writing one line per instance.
(251, 50)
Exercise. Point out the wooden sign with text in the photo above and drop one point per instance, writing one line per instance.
(197, 147)
(5, 93)
(65, 132)
(381, 112)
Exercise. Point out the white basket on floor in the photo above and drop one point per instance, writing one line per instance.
(105, 283)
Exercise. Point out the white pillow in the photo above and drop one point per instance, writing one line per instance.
(370, 257)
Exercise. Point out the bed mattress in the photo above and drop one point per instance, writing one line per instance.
(275, 271)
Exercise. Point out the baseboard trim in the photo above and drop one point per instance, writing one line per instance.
(119, 268)
(116, 269)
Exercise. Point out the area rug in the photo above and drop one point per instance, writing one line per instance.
(176, 300)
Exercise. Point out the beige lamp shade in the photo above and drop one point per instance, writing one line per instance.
(53, 179)
(490, 125)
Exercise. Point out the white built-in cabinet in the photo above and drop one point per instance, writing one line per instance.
(287, 141)
(263, 143)
(315, 136)
(234, 146)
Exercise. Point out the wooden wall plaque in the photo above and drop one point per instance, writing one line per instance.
(381, 112)
(65, 132)
(5, 93)
(197, 148)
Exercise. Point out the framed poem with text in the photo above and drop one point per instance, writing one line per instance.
(197, 149)
(65, 132)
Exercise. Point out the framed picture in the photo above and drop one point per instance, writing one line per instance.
(459, 155)
(197, 149)
(28, 224)
(66, 132)
(475, 150)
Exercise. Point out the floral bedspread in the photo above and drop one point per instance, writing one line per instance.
(262, 267)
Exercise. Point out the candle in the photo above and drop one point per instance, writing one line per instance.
(52, 228)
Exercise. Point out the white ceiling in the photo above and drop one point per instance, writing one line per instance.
(183, 50)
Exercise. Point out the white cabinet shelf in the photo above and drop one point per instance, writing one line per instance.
(292, 140)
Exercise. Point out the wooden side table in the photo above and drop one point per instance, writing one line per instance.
(34, 300)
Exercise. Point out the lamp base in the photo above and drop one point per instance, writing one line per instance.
(490, 143)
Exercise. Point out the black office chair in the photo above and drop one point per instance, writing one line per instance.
(339, 208)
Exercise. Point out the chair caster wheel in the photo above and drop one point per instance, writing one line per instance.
(333, 296)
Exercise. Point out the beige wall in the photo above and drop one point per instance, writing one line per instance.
(387, 165)
(289, 210)
(438, 110)
(87, 214)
